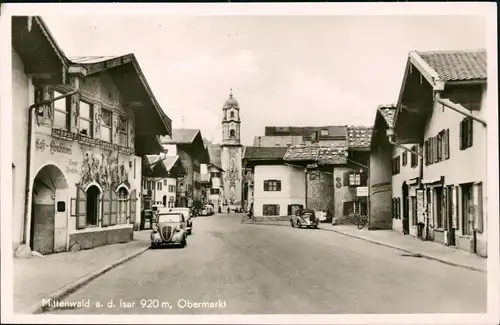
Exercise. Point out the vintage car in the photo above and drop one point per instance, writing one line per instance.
(304, 218)
(188, 216)
(207, 210)
(169, 228)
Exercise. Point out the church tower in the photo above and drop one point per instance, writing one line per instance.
(231, 152)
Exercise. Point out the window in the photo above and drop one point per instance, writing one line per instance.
(354, 207)
(61, 113)
(288, 144)
(396, 208)
(214, 191)
(85, 119)
(232, 114)
(396, 163)
(354, 179)
(122, 205)
(271, 209)
(466, 133)
(404, 154)
(232, 133)
(272, 186)
(439, 207)
(325, 132)
(215, 174)
(122, 132)
(414, 212)
(277, 144)
(414, 156)
(106, 119)
(171, 188)
(158, 186)
(165, 182)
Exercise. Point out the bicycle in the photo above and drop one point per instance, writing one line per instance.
(361, 221)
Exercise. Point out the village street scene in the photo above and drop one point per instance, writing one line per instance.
(294, 177)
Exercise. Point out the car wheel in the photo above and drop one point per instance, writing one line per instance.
(315, 227)
(299, 225)
(154, 246)
(184, 242)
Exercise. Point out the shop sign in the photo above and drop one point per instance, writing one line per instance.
(362, 191)
(53, 146)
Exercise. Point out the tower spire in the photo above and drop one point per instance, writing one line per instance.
(231, 93)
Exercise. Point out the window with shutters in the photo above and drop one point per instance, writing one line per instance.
(123, 131)
(466, 133)
(106, 118)
(439, 147)
(414, 156)
(85, 118)
(61, 112)
(446, 144)
(404, 155)
(92, 206)
(272, 185)
(123, 202)
(271, 209)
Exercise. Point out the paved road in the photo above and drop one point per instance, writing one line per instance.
(265, 269)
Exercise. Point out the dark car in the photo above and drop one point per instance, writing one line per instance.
(304, 218)
(169, 228)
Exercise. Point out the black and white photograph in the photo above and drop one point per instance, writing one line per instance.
(250, 163)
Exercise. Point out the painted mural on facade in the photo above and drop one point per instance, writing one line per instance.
(106, 170)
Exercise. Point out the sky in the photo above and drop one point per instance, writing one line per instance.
(283, 70)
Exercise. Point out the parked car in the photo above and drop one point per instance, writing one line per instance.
(207, 210)
(169, 228)
(304, 218)
(188, 215)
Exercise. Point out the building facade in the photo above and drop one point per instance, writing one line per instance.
(189, 146)
(232, 153)
(444, 114)
(84, 158)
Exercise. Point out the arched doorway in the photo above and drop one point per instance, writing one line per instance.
(49, 197)
(164, 200)
(406, 208)
(93, 193)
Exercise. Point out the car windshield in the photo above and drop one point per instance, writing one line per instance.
(169, 217)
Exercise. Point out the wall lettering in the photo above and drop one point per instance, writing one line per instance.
(53, 146)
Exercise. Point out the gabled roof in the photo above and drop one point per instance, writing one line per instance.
(98, 64)
(323, 154)
(264, 153)
(387, 112)
(457, 65)
(214, 153)
(181, 136)
(359, 136)
(170, 161)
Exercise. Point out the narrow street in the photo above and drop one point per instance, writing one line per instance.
(259, 269)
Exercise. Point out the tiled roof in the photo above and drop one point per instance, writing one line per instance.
(359, 136)
(457, 65)
(321, 153)
(181, 136)
(388, 112)
(305, 131)
(264, 153)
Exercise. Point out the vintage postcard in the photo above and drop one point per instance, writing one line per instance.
(249, 163)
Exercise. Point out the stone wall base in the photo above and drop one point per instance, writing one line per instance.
(88, 240)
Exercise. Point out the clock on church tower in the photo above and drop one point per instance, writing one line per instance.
(231, 152)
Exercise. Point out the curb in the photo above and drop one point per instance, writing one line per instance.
(427, 256)
(74, 286)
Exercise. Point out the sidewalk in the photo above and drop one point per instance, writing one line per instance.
(58, 274)
(409, 244)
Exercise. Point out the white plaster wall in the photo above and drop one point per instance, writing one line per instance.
(22, 98)
(292, 188)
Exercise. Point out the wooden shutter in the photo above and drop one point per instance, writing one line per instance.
(97, 117)
(114, 207)
(345, 208)
(346, 178)
(446, 144)
(266, 185)
(106, 208)
(470, 132)
(393, 208)
(130, 130)
(426, 149)
(461, 135)
(435, 150)
(454, 207)
(74, 112)
(277, 209)
(278, 186)
(81, 208)
(133, 202)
